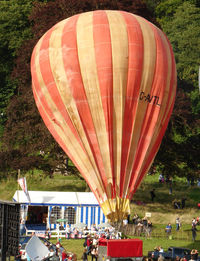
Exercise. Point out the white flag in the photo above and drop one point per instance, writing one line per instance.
(23, 185)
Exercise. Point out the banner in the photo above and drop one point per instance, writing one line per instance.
(23, 185)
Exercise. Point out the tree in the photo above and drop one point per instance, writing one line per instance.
(178, 152)
(183, 32)
(14, 29)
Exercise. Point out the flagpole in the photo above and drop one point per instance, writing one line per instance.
(18, 176)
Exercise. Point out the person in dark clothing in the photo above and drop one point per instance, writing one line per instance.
(84, 256)
(194, 232)
(183, 202)
(153, 195)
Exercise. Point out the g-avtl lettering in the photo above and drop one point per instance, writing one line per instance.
(149, 98)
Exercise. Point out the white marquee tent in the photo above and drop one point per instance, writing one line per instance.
(49, 206)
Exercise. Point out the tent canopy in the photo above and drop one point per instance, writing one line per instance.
(56, 198)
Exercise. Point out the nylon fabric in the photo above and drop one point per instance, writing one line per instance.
(104, 83)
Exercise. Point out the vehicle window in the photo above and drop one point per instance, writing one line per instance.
(178, 251)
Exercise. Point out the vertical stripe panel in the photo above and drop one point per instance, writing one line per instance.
(91, 215)
(149, 60)
(101, 221)
(49, 209)
(87, 62)
(82, 215)
(119, 43)
(86, 216)
(103, 57)
(134, 74)
(99, 215)
(104, 218)
(94, 215)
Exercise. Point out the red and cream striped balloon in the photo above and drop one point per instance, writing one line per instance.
(105, 83)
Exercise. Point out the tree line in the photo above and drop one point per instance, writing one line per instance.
(26, 144)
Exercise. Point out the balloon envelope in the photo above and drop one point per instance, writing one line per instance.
(105, 83)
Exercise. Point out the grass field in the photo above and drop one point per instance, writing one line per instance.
(76, 245)
(162, 210)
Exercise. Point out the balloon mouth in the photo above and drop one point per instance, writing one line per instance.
(116, 209)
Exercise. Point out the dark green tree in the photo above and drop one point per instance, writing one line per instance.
(14, 29)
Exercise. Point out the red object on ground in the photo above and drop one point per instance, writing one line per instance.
(198, 205)
(123, 247)
(103, 242)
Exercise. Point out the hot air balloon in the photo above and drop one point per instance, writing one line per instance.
(104, 83)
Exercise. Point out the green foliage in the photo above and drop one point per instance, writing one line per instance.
(166, 9)
(181, 24)
(180, 21)
(14, 29)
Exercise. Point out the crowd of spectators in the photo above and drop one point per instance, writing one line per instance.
(92, 240)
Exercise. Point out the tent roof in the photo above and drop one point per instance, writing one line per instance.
(56, 198)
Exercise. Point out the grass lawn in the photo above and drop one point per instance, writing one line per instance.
(76, 245)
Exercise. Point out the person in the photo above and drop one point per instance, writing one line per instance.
(47, 234)
(135, 219)
(161, 258)
(125, 222)
(64, 255)
(194, 254)
(194, 222)
(18, 256)
(53, 257)
(194, 232)
(178, 223)
(161, 178)
(58, 244)
(168, 229)
(183, 259)
(61, 227)
(153, 195)
(177, 204)
(22, 227)
(89, 244)
(183, 202)
(94, 252)
(95, 240)
(68, 231)
(84, 256)
(144, 221)
(170, 189)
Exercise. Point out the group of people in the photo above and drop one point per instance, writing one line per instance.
(195, 222)
(90, 247)
(61, 253)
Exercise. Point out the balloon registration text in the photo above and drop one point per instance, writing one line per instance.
(149, 98)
